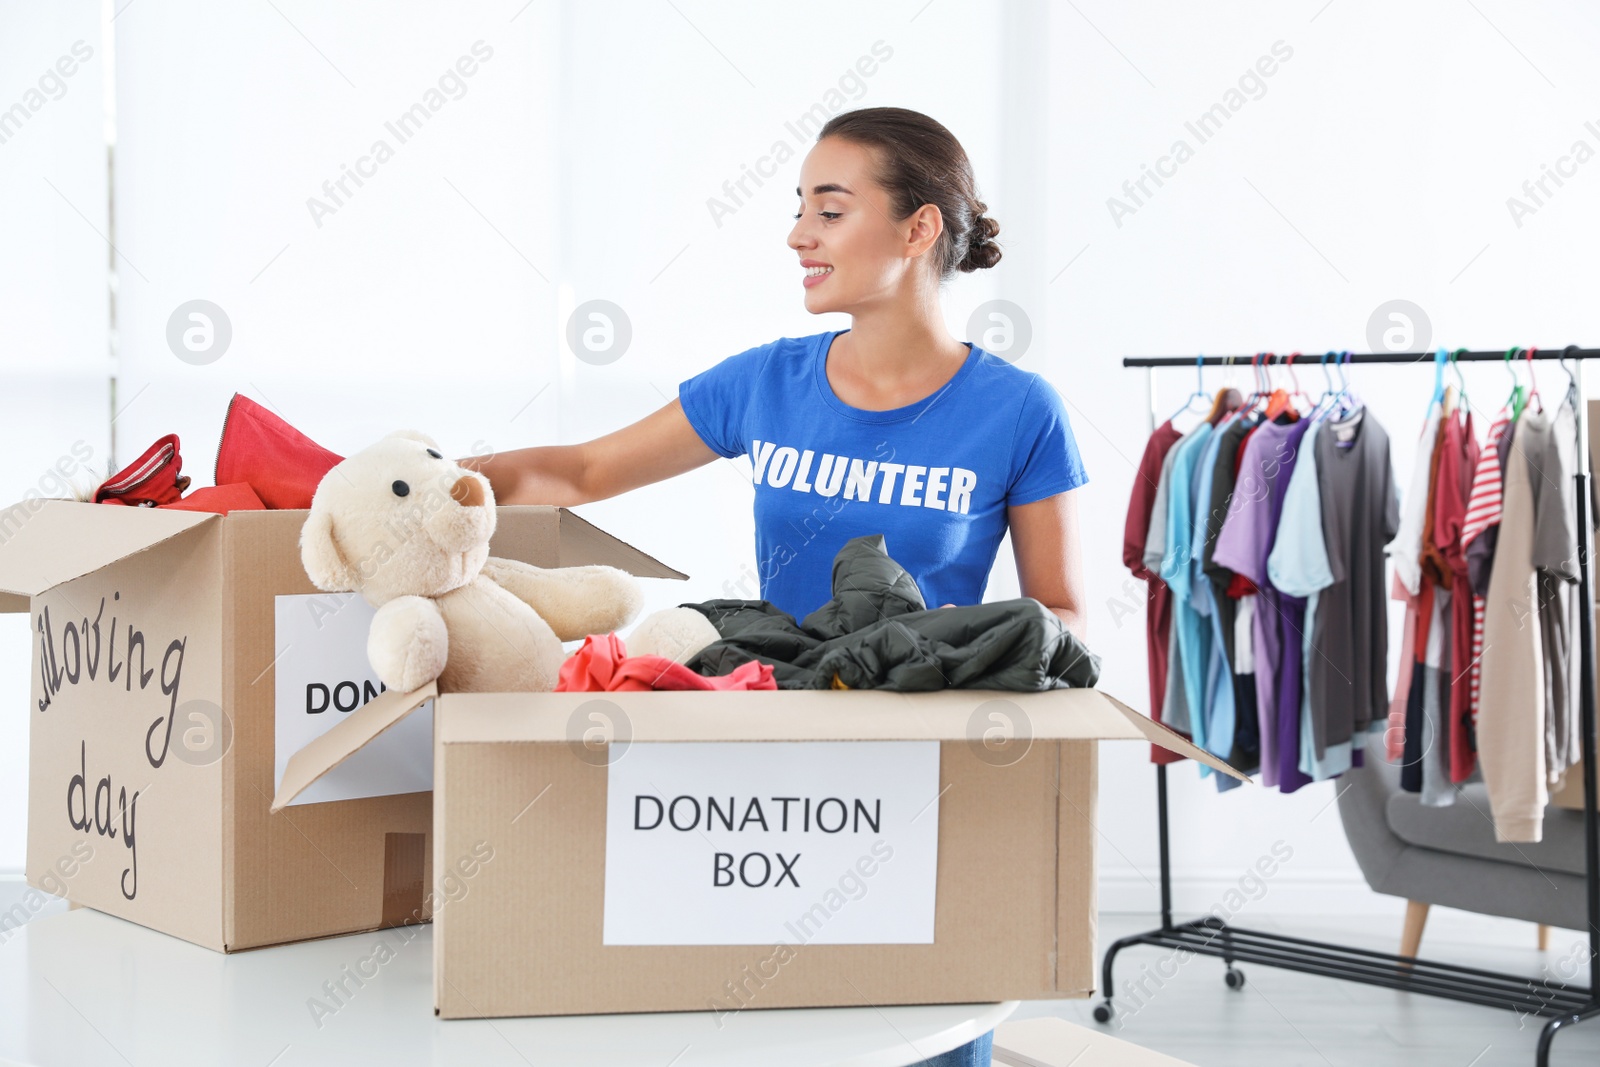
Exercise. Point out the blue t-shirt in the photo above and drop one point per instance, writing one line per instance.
(933, 477)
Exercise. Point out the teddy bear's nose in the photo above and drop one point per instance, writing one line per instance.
(468, 491)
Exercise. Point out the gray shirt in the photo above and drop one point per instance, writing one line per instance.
(1549, 440)
(1360, 515)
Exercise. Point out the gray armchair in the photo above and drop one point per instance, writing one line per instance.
(1449, 856)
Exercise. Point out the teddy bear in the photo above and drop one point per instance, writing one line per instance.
(409, 530)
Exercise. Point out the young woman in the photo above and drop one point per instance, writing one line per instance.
(892, 426)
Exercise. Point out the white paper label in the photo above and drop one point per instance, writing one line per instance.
(322, 676)
(762, 843)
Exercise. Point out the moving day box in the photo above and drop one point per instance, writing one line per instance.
(689, 851)
(163, 647)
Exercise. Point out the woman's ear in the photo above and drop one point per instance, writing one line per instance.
(325, 565)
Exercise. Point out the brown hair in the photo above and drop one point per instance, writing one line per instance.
(920, 162)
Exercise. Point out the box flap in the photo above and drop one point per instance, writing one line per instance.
(583, 543)
(340, 743)
(1173, 741)
(46, 542)
(810, 715)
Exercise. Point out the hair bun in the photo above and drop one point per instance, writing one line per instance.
(982, 252)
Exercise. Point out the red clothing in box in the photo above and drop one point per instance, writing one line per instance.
(603, 665)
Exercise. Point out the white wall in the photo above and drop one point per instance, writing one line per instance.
(1375, 166)
(578, 165)
(54, 307)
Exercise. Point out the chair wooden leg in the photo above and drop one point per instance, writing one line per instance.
(1416, 917)
(1544, 937)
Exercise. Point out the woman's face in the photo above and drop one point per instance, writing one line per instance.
(844, 224)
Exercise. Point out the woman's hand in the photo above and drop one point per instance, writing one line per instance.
(657, 447)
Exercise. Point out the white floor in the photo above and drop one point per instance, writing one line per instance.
(1283, 1019)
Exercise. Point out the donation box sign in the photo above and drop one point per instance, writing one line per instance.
(761, 842)
(322, 675)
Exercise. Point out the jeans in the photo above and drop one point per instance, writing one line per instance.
(973, 1054)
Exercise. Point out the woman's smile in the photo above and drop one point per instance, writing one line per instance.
(816, 272)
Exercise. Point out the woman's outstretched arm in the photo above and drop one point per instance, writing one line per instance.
(657, 447)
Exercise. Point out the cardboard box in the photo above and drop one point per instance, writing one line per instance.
(966, 871)
(153, 721)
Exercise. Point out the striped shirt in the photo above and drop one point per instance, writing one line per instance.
(1483, 511)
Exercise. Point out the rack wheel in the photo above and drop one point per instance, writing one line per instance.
(1102, 1012)
(1234, 978)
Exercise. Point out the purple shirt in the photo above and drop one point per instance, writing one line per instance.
(1243, 545)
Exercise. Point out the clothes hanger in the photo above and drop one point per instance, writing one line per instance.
(1440, 359)
(1348, 399)
(1294, 379)
(1227, 401)
(1230, 366)
(1199, 391)
(1462, 404)
(1344, 402)
(1256, 377)
(1332, 400)
(1571, 396)
(1533, 385)
(1252, 400)
(1325, 402)
(1516, 400)
(1277, 400)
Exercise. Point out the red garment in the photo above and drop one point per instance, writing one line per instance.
(603, 665)
(155, 478)
(1158, 597)
(1419, 608)
(1458, 460)
(1240, 585)
(279, 462)
(220, 499)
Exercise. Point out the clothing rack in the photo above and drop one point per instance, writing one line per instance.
(1563, 1005)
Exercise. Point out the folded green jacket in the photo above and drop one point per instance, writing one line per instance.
(877, 633)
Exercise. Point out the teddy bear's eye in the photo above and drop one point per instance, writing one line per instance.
(435, 453)
(400, 488)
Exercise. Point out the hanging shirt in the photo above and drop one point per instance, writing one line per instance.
(1193, 634)
(1216, 711)
(1425, 747)
(1360, 515)
(1512, 748)
(1174, 702)
(1405, 551)
(1299, 566)
(1552, 457)
(1240, 736)
(934, 477)
(1243, 545)
(1158, 599)
(1483, 515)
(1288, 688)
(1446, 552)
(1435, 668)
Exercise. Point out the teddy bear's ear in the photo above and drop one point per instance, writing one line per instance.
(415, 435)
(325, 565)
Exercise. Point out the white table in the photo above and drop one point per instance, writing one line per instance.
(86, 988)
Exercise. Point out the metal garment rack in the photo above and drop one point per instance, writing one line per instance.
(1563, 1005)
